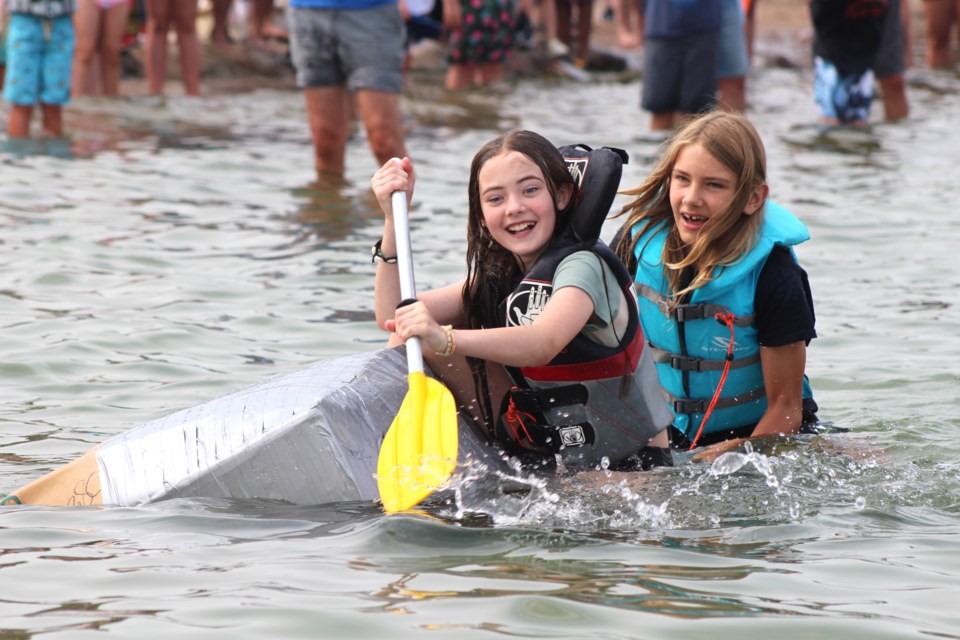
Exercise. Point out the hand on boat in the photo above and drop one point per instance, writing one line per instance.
(712, 452)
(394, 175)
(414, 320)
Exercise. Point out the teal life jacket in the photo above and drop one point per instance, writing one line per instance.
(690, 345)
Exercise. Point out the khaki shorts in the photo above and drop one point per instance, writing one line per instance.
(362, 48)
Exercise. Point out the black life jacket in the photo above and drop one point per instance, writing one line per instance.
(586, 404)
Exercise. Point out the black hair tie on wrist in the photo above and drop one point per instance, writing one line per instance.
(378, 254)
(406, 302)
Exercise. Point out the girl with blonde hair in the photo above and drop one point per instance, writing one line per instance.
(725, 307)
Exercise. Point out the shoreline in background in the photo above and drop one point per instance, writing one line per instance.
(782, 29)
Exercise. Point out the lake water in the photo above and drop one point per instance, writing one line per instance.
(174, 252)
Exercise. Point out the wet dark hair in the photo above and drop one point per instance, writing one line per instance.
(488, 263)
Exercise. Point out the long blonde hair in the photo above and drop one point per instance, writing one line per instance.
(727, 238)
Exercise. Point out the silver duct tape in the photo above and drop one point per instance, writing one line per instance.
(308, 437)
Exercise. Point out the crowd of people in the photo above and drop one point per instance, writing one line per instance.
(350, 55)
(53, 50)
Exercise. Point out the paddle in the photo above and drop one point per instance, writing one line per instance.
(419, 452)
(76, 483)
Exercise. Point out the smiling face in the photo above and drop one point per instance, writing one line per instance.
(518, 209)
(701, 191)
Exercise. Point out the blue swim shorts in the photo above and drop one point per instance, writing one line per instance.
(845, 99)
(39, 57)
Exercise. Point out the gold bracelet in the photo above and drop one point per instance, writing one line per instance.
(451, 341)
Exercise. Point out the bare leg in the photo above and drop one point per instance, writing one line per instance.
(490, 72)
(18, 122)
(328, 114)
(733, 93)
(460, 76)
(584, 28)
(185, 22)
(662, 121)
(221, 16)
(380, 112)
(158, 24)
(562, 11)
(548, 18)
(939, 16)
(627, 34)
(86, 27)
(52, 119)
(114, 24)
(895, 104)
(908, 34)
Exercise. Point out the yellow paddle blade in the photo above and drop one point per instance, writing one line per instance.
(419, 452)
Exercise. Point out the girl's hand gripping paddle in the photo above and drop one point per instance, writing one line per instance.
(419, 452)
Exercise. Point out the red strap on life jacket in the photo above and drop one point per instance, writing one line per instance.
(727, 319)
(514, 419)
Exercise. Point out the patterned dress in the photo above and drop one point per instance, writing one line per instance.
(486, 34)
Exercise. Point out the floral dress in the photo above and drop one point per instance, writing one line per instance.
(486, 34)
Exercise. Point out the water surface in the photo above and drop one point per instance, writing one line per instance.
(173, 252)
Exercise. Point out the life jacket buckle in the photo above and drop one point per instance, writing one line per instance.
(688, 405)
(685, 363)
(687, 312)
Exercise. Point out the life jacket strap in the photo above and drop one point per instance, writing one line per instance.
(540, 400)
(690, 363)
(687, 312)
(699, 405)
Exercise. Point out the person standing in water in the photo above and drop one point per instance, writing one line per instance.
(343, 49)
(40, 43)
(847, 38)
(543, 327)
(725, 306)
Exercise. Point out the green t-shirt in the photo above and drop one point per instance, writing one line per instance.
(588, 272)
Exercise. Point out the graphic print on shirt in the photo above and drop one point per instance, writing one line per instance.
(526, 303)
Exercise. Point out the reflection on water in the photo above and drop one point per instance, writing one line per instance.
(17, 148)
(150, 260)
(860, 142)
(334, 211)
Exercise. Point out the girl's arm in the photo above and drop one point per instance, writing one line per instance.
(783, 369)
(394, 175)
(563, 317)
(444, 303)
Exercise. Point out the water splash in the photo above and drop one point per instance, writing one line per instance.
(794, 481)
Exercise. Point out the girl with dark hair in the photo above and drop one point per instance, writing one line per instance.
(543, 326)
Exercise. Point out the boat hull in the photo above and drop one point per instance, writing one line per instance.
(308, 437)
